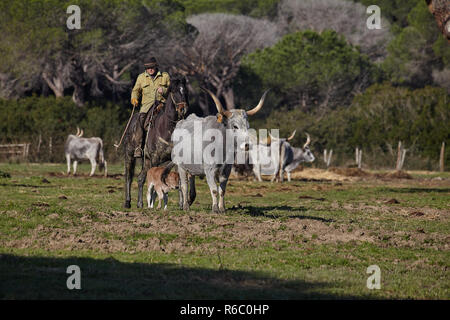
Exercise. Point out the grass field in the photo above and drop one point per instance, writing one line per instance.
(309, 238)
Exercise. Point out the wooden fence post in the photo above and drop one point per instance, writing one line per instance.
(327, 157)
(441, 158)
(358, 157)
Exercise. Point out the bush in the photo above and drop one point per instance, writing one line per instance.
(309, 69)
(375, 121)
(44, 120)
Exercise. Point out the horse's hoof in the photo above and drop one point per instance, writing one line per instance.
(127, 205)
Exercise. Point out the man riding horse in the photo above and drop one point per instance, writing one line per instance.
(164, 102)
(152, 86)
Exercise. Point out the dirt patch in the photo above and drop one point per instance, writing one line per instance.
(393, 175)
(318, 175)
(392, 201)
(199, 232)
(350, 172)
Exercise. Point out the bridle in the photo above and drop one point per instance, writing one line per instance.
(179, 105)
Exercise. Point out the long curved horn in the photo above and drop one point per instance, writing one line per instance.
(291, 136)
(81, 133)
(308, 141)
(259, 106)
(165, 142)
(78, 131)
(219, 106)
(273, 138)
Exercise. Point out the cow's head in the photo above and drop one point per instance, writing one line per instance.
(236, 119)
(307, 154)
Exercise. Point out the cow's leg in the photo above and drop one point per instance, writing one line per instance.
(166, 199)
(289, 175)
(222, 187)
(68, 163)
(192, 191)
(130, 164)
(213, 188)
(153, 197)
(93, 166)
(149, 195)
(160, 198)
(141, 180)
(184, 204)
(75, 163)
(257, 172)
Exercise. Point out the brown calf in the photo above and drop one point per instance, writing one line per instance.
(157, 187)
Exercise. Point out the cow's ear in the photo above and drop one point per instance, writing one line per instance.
(219, 118)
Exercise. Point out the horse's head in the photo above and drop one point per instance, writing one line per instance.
(179, 95)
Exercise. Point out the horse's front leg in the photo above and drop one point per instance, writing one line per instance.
(130, 163)
(141, 180)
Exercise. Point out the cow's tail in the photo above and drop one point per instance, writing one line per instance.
(166, 171)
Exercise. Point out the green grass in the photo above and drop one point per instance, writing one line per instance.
(310, 240)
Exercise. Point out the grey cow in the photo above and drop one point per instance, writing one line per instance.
(78, 148)
(266, 158)
(216, 172)
(291, 157)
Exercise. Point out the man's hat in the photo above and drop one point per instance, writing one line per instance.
(151, 63)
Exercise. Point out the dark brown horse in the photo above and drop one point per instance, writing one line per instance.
(155, 151)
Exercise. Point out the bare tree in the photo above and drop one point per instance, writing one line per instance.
(213, 55)
(401, 153)
(344, 17)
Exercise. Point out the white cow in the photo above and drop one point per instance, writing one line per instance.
(78, 148)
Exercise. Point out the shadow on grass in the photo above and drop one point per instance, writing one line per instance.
(45, 278)
(265, 212)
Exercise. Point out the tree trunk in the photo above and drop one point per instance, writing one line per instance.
(399, 156)
(203, 103)
(228, 95)
(55, 84)
(78, 81)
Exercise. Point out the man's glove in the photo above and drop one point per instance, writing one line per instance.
(134, 102)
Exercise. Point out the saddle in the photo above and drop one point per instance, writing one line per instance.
(151, 115)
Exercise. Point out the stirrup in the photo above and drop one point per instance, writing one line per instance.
(138, 152)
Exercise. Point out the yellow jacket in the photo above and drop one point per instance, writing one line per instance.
(146, 87)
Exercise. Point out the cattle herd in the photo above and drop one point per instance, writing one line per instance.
(228, 141)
